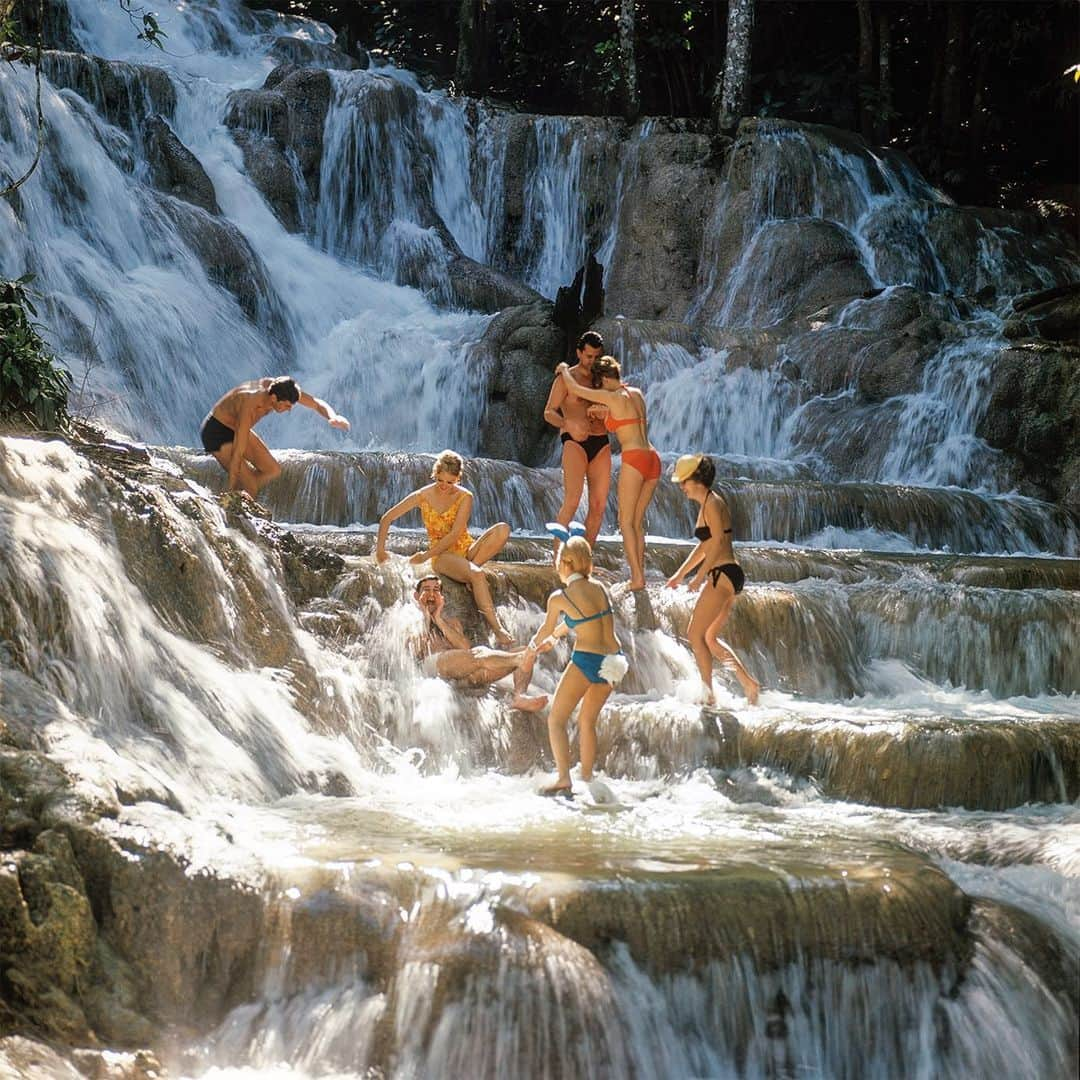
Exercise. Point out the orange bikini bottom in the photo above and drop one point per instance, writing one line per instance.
(647, 462)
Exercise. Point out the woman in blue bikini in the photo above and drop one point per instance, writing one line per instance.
(597, 663)
(713, 565)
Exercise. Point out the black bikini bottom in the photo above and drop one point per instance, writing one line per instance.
(592, 445)
(215, 434)
(733, 572)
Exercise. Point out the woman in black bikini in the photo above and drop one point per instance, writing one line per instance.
(713, 560)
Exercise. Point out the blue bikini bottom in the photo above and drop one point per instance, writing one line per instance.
(600, 667)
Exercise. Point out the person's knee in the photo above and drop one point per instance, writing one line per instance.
(272, 470)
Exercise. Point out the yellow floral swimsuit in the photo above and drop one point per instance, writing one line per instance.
(439, 524)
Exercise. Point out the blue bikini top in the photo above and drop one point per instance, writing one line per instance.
(571, 622)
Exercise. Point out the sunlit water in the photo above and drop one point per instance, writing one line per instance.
(857, 618)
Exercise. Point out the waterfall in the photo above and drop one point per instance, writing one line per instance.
(313, 857)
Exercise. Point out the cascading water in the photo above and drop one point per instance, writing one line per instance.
(875, 872)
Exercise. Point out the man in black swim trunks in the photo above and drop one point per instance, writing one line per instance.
(226, 431)
(586, 452)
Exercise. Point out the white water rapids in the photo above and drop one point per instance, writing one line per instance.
(522, 936)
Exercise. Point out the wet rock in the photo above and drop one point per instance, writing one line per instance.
(654, 265)
(481, 288)
(928, 764)
(304, 53)
(1034, 415)
(55, 25)
(1011, 250)
(190, 938)
(525, 345)
(125, 94)
(795, 267)
(452, 976)
(229, 261)
(893, 903)
(174, 169)
(258, 120)
(1050, 314)
(307, 99)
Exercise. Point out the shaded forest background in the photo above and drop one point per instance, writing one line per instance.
(974, 91)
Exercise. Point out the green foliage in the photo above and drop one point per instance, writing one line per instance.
(145, 22)
(31, 384)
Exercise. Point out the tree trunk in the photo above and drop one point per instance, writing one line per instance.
(470, 72)
(630, 100)
(952, 97)
(731, 97)
(884, 119)
(866, 69)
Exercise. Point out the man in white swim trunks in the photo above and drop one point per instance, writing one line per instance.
(445, 652)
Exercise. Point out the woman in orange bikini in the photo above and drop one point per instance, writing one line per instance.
(640, 469)
(445, 509)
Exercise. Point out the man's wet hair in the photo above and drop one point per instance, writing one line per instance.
(426, 577)
(285, 389)
(590, 340)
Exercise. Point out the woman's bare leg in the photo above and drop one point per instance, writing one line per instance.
(488, 544)
(591, 704)
(645, 496)
(630, 481)
(460, 569)
(571, 689)
(723, 652)
(709, 605)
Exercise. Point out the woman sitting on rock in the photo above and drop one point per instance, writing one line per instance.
(713, 564)
(445, 508)
(596, 664)
(640, 471)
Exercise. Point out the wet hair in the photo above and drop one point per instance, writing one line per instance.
(605, 367)
(577, 554)
(426, 577)
(590, 340)
(448, 461)
(285, 389)
(705, 473)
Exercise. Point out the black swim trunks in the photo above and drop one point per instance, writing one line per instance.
(215, 434)
(592, 445)
(733, 572)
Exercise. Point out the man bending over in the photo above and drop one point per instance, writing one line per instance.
(444, 651)
(226, 431)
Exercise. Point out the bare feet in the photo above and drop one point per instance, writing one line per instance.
(528, 704)
(637, 586)
(503, 639)
(564, 791)
(751, 687)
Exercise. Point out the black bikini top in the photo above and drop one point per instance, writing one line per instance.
(703, 532)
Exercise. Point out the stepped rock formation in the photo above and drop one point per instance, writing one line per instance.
(242, 830)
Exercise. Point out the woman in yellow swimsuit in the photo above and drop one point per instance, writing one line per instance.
(445, 508)
(640, 470)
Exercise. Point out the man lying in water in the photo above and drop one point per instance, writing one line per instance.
(444, 651)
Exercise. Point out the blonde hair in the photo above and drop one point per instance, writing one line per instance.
(448, 461)
(577, 554)
(606, 367)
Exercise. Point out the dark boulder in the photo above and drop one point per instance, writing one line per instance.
(174, 169)
(314, 54)
(524, 345)
(1034, 415)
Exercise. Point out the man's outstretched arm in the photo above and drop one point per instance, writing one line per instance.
(324, 410)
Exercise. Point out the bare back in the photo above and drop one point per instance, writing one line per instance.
(248, 399)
